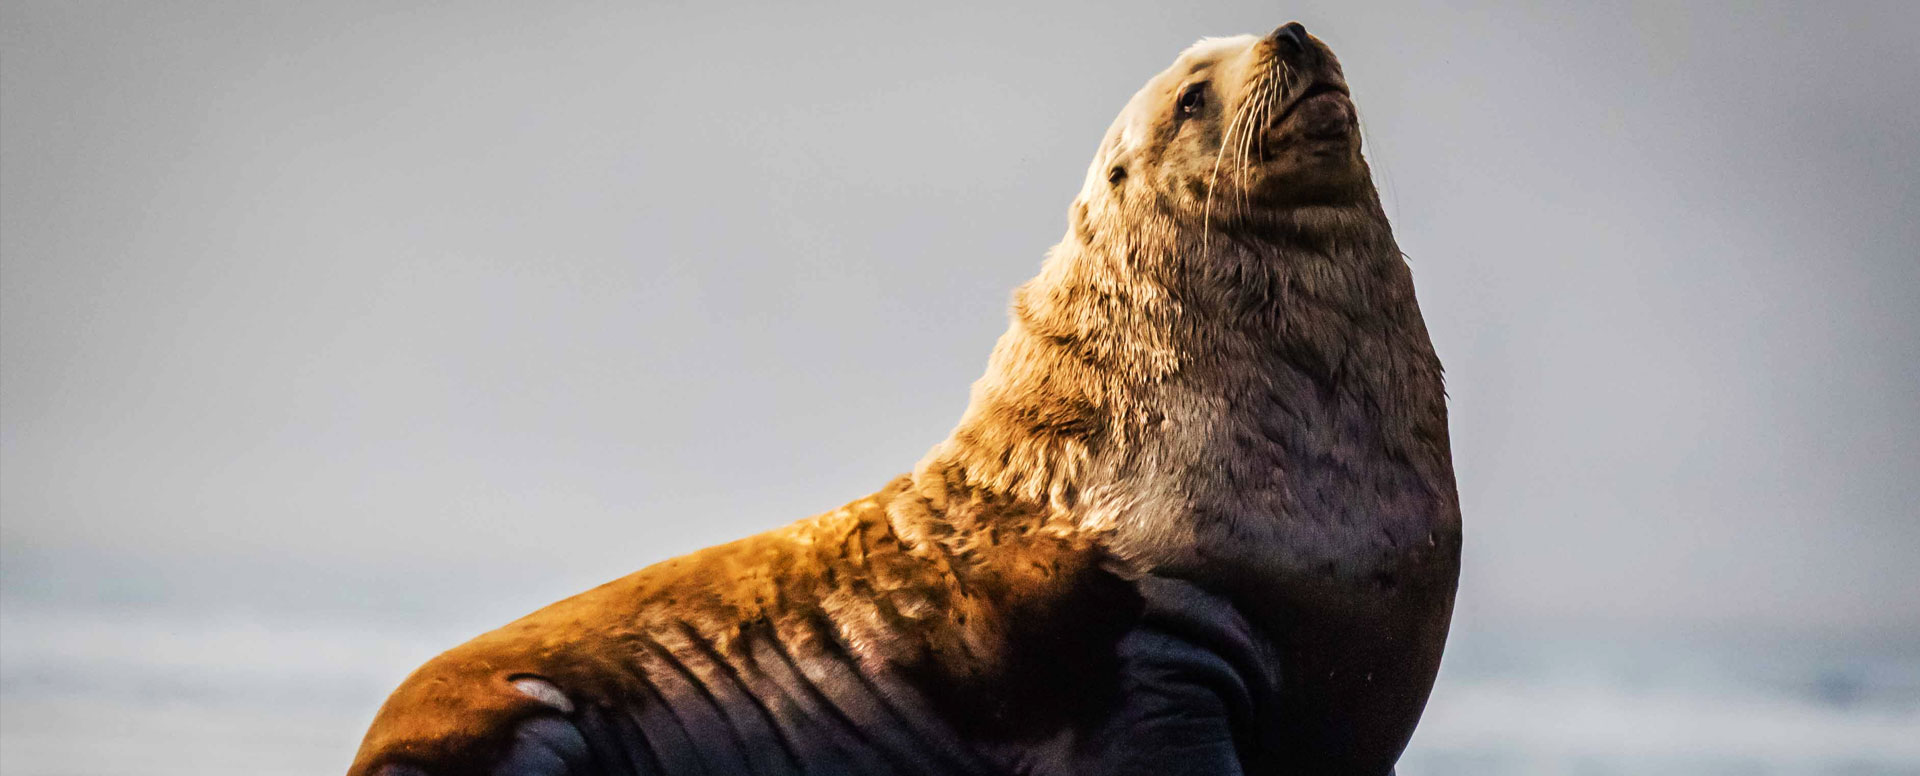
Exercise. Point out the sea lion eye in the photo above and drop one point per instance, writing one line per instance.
(1193, 99)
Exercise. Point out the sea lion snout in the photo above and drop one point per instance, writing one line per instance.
(1290, 44)
(1290, 37)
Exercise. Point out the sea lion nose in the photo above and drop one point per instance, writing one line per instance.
(1291, 35)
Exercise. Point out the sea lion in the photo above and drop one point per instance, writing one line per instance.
(1198, 517)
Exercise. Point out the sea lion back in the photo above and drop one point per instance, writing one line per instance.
(758, 656)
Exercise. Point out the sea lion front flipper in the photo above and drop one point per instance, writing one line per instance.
(547, 746)
(1192, 672)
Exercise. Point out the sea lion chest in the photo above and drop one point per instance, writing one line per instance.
(1320, 499)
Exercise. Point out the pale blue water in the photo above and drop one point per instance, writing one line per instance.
(1600, 702)
(141, 689)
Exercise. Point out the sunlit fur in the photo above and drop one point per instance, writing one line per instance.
(1196, 322)
(1219, 374)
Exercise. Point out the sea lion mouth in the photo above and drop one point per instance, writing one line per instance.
(1317, 89)
(1325, 111)
(1294, 135)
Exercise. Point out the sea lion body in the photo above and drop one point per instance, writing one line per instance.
(1199, 516)
(835, 646)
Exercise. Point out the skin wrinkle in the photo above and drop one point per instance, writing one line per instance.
(671, 745)
(892, 705)
(639, 750)
(710, 707)
(601, 738)
(1243, 397)
(804, 714)
(740, 685)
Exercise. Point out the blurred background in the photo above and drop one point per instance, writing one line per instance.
(332, 334)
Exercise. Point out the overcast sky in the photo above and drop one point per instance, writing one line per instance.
(370, 307)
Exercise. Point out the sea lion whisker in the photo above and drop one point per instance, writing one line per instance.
(1254, 121)
(1213, 181)
(1270, 98)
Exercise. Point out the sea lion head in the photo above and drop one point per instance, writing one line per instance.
(1227, 253)
(1236, 126)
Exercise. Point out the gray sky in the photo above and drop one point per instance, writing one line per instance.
(372, 309)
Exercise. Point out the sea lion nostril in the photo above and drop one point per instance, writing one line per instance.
(1292, 34)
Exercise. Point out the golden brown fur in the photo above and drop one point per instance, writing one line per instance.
(951, 608)
(1140, 376)
(1219, 374)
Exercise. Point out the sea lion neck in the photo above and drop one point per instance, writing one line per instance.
(1262, 268)
(1135, 346)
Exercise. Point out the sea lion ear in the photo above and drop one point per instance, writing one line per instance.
(1111, 168)
(1116, 152)
(1117, 163)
